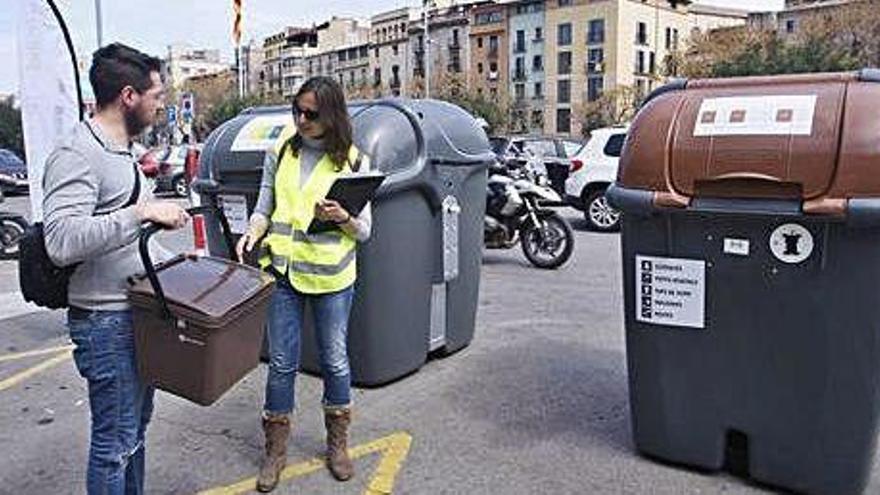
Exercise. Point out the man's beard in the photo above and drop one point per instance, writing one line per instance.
(134, 124)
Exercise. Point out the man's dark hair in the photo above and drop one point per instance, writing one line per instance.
(116, 66)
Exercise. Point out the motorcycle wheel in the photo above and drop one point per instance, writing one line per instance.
(550, 244)
(11, 231)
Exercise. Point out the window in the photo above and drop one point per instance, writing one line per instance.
(519, 71)
(539, 34)
(455, 37)
(480, 42)
(395, 50)
(377, 76)
(377, 52)
(595, 86)
(493, 67)
(364, 52)
(520, 90)
(640, 62)
(790, 26)
(595, 60)
(564, 62)
(563, 91)
(652, 63)
(493, 44)
(641, 34)
(564, 34)
(564, 3)
(537, 119)
(596, 31)
(675, 39)
(669, 38)
(538, 63)
(520, 45)
(563, 120)
(488, 18)
(614, 146)
(480, 68)
(539, 90)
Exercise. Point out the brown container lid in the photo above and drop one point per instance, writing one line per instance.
(814, 138)
(206, 289)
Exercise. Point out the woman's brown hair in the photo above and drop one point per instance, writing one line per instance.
(332, 115)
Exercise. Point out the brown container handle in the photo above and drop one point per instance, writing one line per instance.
(151, 228)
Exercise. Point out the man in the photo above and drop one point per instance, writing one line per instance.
(93, 207)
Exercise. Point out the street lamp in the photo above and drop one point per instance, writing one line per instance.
(98, 23)
(427, 5)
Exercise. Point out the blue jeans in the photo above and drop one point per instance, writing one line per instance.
(285, 328)
(121, 404)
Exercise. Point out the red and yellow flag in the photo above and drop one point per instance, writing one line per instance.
(236, 21)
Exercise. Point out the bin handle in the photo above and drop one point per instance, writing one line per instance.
(394, 182)
(149, 229)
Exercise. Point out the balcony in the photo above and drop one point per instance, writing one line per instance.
(519, 48)
(454, 45)
(395, 84)
(492, 76)
(519, 76)
(493, 53)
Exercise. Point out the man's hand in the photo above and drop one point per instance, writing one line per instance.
(164, 213)
(327, 210)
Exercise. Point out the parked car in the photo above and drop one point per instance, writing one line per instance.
(555, 153)
(15, 172)
(592, 170)
(172, 171)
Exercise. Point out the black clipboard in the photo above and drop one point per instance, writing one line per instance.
(352, 192)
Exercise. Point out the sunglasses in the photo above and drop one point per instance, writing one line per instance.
(311, 115)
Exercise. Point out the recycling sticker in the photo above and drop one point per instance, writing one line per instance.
(791, 243)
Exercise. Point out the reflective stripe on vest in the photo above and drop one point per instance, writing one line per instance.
(315, 263)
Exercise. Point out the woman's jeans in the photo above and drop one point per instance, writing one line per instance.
(121, 403)
(286, 315)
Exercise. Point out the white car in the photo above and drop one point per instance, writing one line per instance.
(592, 170)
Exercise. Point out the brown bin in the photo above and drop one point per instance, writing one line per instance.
(198, 323)
(750, 258)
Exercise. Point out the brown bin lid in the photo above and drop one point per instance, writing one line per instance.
(206, 288)
(810, 137)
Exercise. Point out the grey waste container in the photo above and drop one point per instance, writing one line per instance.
(419, 274)
(750, 260)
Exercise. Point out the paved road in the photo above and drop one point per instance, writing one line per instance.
(536, 404)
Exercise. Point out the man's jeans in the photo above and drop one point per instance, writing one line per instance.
(121, 404)
(286, 316)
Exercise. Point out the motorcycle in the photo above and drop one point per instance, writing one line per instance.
(517, 211)
(12, 228)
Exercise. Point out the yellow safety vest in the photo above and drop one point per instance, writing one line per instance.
(316, 263)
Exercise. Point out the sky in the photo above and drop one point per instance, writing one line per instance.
(152, 25)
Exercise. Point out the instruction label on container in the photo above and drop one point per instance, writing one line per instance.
(260, 133)
(777, 115)
(671, 291)
(235, 209)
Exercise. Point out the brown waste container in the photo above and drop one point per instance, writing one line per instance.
(198, 322)
(751, 261)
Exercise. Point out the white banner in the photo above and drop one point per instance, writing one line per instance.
(49, 100)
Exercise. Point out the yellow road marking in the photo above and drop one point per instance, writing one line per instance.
(394, 449)
(38, 352)
(24, 375)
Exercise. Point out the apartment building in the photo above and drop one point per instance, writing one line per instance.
(449, 45)
(489, 50)
(184, 62)
(390, 41)
(526, 39)
(787, 21)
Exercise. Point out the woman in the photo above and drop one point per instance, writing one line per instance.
(318, 269)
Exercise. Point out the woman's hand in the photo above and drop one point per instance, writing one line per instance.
(331, 211)
(256, 229)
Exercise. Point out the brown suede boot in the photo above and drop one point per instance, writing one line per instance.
(337, 419)
(276, 430)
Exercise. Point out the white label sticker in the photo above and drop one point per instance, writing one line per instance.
(777, 115)
(736, 246)
(260, 133)
(235, 209)
(791, 243)
(671, 291)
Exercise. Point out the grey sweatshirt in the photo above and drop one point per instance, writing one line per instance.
(85, 176)
(310, 154)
